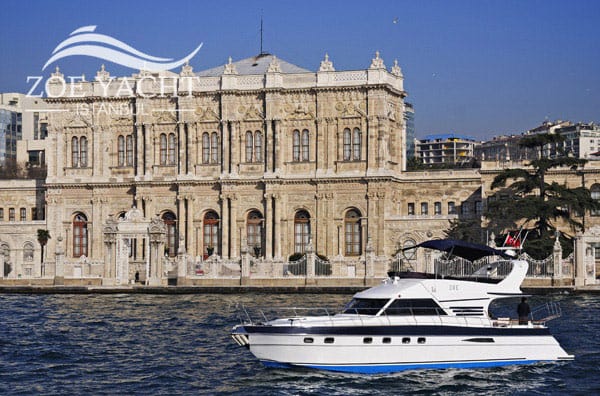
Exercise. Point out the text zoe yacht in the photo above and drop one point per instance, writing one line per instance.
(411, 323)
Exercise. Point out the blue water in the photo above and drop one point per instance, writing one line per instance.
(180, 345)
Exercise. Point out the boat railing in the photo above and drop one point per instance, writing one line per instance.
(539, 316)
(262, 315)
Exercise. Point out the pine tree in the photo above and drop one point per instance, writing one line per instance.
(536, 205)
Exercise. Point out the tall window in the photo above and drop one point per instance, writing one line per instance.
(163, 149)
(254, 229)
(121, 150)
(23, 214)
(210, 231)
(254, 146)
(172, 149)
(296, 145)
(129, 149)
(352, 144)
(258, 146)
(1, 214)
(305, 145)
(28, 252)
(411, 209)
(424, 208)
(11, 214)
(356, 139)
(80, 235)
(301, 231)
(171, 224)
(347, 145)
(83, 152)
(451, 208)
(205, 148)
(74, 152)
(214, 146)
(437, 208)
(595, 193)
(249, 146)
(210, 148)
(352, 233)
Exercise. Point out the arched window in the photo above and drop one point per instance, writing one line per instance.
(129, 149)
(163, 149)
(595, 193)
(305, 146)
(249, 146)
(121, 150)
(356, 139)
(254, 230)
(258, 146)
(74, 152)
(172, 149)
(347, 145)
(301, 231)
(80, 235)
(28, 252)
(296, 145)
(352, 234)
(205, 148)
(171, 224)
(211, 231)
(214, 147)
(83, 151)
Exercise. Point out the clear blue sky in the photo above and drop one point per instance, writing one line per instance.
(475, 67)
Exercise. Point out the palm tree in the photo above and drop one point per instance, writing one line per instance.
(42, 237)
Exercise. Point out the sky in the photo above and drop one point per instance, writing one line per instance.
(480, 68)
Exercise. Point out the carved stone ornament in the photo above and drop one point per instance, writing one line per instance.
(229, 68)
(187, 70)
(274, 66)
(396, 70)
(133, 215)
(326, 64)
(165, 117)
(300, 111)
(57, 74)
(250, 113)
(206, 114)
(350, 109)
(377, 62)
(102, 74)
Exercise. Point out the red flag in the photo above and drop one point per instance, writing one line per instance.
(510, 241)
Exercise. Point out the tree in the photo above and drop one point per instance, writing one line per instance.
(536, 205)
(42, 237)
(468, 230)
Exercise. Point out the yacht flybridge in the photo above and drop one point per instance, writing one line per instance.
(410, 322)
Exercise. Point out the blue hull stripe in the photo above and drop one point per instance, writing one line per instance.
(392, 368)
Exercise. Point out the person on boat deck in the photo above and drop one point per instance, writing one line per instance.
(523, 311)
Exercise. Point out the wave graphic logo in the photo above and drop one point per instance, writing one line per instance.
(85, 42)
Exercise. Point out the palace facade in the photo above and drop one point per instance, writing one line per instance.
(256, 155)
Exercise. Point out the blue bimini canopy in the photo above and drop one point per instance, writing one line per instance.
(466, 250)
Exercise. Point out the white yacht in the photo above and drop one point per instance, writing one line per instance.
(414, 322)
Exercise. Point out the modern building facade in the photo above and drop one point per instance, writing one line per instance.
(447, 148)
(409, 117)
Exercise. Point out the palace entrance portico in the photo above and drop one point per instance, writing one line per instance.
(121, 236)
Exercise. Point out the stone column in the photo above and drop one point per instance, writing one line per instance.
(59, 273)
(557, 258)
(225, 232)
(310, 263)
(225, 147)
(181, 262)
(245, 264)
(235, 148)
(580, 262)
(277, 237)
(277, 144)
(369, 261)
(233, 232)
(268, 251)
(269, 158)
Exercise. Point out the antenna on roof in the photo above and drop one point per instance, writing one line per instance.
(261, 32)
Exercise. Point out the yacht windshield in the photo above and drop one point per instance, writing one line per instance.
(365, 306)
(414, 306)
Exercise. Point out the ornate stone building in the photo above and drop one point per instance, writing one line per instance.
(257, 155)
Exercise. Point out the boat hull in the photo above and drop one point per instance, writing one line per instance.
(385, 349)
